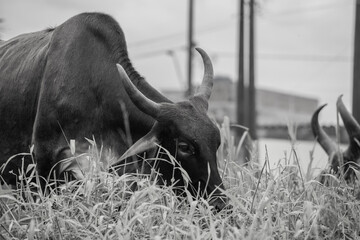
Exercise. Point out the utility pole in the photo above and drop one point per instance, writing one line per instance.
(356, 67)
(252, 92)
(241, 106)
(190, 47)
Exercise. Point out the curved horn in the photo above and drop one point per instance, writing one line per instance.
(324, 140)
(207, 82)
(145, 104)
(352, 127)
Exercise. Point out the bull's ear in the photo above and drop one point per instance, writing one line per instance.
(147, 142)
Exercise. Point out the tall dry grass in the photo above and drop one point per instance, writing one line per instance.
(281, 203)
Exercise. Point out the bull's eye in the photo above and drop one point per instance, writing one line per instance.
(185, 148)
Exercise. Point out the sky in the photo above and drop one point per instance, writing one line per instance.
(304, 47)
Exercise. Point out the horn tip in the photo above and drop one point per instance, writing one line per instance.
(320, 108)
(123, 75)
(200, 50)
(339, 100)
(119, 67)
(314, 119)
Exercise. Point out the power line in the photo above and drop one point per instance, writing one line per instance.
(263, 56)
(305, 58)
(201, 30)
(293, 11)
(155, 39)
(293, 57)
(227, 23)
(159, 52)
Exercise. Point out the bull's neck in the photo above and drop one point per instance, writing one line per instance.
(145, 88)
(139, 81)
(149, 91)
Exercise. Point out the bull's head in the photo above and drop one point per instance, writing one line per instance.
(349, 159)
(185, 130)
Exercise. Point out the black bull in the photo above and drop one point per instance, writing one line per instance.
(347, 161)
(71, 82)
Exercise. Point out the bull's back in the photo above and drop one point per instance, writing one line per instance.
(63, 84)
(22, 62)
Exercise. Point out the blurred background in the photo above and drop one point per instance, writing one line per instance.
(300, 55)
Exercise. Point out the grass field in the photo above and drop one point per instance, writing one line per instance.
(281, 203)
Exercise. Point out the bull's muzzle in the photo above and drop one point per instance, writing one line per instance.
(220, 202)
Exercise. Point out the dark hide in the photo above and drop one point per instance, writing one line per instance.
(62, 84)
(67, 77)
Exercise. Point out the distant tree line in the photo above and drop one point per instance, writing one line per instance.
(303, 132)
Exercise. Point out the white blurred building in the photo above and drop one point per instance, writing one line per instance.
(273, 108)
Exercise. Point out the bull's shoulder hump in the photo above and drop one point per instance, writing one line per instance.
(96, 22)
(93, 25)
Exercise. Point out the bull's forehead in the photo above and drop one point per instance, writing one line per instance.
(192, 121)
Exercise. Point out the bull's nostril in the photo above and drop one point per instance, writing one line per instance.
(220, 206)
(219, 203)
